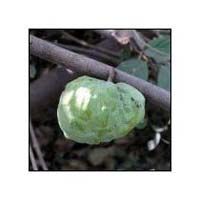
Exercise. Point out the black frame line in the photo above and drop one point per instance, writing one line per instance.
(29, 29)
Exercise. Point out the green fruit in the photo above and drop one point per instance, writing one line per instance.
(93, 111)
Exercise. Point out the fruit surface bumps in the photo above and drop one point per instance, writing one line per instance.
(93, 111)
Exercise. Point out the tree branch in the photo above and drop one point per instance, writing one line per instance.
(44, 93)
(85, 44)
(124, 36)
(92, 53)
(36, 146)
(33, 161)
(84, 65)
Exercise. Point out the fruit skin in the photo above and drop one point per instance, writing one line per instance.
(93, 111)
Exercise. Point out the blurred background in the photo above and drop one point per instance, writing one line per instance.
(142, 53)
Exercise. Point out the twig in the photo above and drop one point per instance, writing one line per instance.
(84, 65)
(166, 32)
(37, 148)
(105, 33)
(131, 34)
(124, 36)
(44, 93)
(85, 44)
(165, 141)
(32, 158)
(91, 53)
(111, 44)
(156, 32)
(138, 39)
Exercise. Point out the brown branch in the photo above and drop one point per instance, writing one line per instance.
(138, 39)
(44, 93)
(111, 44)
(36, 146)
(105, 33)
(84, 65)
(124, 36)
(92, 53)
(86, 44)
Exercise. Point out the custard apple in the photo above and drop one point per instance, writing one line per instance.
(93, 111)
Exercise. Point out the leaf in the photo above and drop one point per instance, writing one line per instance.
(159, 49)
(164, 77)
(125, 53)
(135, 67)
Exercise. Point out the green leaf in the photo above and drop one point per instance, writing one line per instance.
(159, 49)
(164, 77)
(125, 53)
(135, 67)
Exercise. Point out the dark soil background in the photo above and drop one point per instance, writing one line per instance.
(146, 148)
